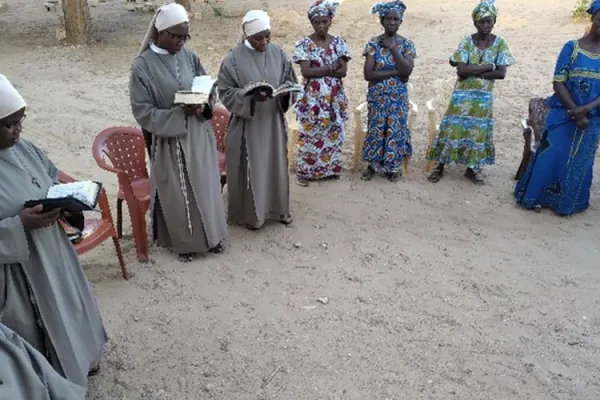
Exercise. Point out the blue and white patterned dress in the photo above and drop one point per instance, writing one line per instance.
(387, 141)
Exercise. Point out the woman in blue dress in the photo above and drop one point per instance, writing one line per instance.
(389, 61)
(559, 177)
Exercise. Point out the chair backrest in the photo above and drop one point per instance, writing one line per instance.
(125, 148)
(220, 122)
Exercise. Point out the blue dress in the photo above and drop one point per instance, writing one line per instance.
(387, 141)
(559, 176)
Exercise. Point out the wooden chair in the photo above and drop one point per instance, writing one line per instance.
(125, 148)
(360, 132)
(292, 141)
(434, 128)
(220, 124)
(97, 230)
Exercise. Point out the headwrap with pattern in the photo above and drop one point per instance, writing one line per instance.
(594, 7)
(385, 7)
(485, 9)
(323, 8)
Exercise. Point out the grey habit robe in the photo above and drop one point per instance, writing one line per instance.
(188, 211)
(25, 374)
(256, 142)
(44, 294)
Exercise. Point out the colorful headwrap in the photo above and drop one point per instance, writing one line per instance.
(385, 7)
(323, 8)
(594, 7)
(485, 9)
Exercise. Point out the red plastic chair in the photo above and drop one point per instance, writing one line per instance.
(125, 148)
(220, 123)
(96, 231)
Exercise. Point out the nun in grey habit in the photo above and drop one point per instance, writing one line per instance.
(25, 374)
(188, 212)
(256, 142)
(44, 295)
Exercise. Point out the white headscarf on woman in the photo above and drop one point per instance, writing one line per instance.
(166, 16)
(10, 99)
(255, 21)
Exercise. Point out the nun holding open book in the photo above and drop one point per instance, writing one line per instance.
(258, 85)
(188, 214)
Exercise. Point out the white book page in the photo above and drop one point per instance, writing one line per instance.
(203, 84)
(84, 191)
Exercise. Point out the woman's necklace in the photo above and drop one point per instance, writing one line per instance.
(23, 167)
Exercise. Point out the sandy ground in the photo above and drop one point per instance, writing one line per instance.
(445, 292)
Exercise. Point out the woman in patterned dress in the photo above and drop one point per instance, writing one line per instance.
(466, 131)
(389, 61)
(559, 175)
(322, 110)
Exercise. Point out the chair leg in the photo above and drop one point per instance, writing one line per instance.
(120, 257)
(119, 218)
(138, 222)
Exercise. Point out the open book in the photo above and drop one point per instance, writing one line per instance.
(74, 197)
(203, 90)
(267, 90)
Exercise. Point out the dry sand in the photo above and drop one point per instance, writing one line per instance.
(435, 292)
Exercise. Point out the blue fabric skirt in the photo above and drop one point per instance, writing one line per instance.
(560, 174)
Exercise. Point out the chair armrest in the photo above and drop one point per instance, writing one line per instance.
(63, 177)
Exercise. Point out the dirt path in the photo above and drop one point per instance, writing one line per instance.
(445, 292)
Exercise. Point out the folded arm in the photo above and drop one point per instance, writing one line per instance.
(466, 71)
(404, 63)
(373, 75)
(498, 74)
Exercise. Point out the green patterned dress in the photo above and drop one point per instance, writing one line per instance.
(466, 131)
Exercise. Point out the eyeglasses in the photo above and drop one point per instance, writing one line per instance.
(180, 38)
(14, 124)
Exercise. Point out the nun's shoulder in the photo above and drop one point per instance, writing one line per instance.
(141, 60)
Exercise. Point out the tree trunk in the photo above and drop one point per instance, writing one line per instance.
(78, 24)
(185, 3)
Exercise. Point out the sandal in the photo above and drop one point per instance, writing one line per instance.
(475, 176)
(186, 257)
(302, 182)
(286, 220)
(393, 176)
(218, 249)
(94, 370)
(368, 174)
(437, 174)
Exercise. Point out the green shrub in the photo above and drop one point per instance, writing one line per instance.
(580, 11)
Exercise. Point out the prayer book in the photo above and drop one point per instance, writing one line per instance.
(203, 90)
(74, 197)
(267, 90)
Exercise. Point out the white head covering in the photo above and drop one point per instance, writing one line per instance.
(166, 16)
(10, 100)
(255, 21)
